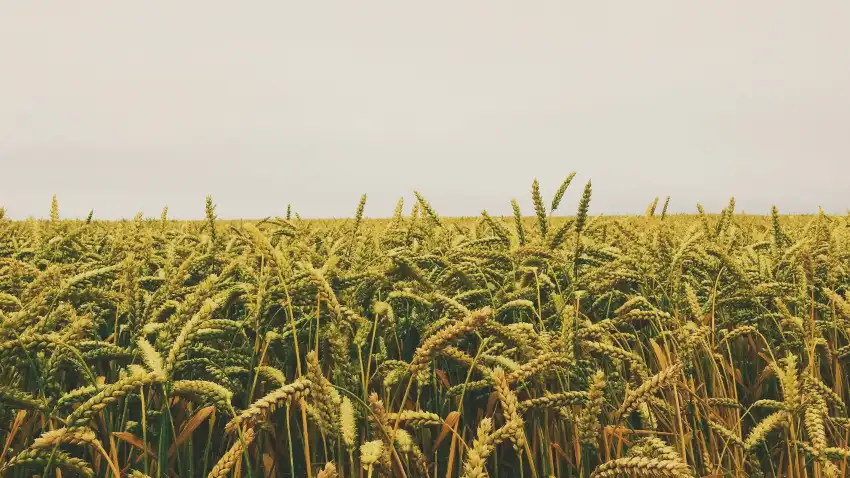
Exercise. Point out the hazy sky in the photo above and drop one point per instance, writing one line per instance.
(127, 106)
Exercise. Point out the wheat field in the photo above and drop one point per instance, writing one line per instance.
(562, 344)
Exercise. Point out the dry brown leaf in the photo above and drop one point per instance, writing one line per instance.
(444, 379)
(135, 441)
(450, 422)
(191, 425)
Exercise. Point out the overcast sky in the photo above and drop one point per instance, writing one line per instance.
(127, 106)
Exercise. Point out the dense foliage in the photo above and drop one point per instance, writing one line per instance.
(426, 346)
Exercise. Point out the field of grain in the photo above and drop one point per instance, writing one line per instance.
(561, 344)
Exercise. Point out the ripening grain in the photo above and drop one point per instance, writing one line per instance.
(427, 346)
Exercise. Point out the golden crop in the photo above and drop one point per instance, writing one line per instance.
(426, 346)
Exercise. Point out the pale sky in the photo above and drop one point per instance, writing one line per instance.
(126, 106)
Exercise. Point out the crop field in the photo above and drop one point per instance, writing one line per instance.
(559, 344)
